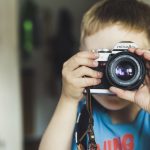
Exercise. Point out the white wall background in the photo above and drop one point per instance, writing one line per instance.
(10, 102)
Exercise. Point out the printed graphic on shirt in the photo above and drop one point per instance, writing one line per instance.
(126, 142)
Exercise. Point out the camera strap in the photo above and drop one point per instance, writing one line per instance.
(89, 132)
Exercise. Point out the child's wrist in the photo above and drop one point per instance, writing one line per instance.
(69, 99)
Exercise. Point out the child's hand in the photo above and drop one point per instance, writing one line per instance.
(142, 96)
(74, 71)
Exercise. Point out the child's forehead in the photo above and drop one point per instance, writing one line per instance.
(109, 36)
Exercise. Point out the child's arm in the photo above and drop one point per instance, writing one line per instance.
(58, 135)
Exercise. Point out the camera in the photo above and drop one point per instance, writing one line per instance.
(120, 68)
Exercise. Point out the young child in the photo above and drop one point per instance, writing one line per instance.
(121, 122)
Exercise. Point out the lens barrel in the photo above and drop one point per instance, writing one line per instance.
(125, 70)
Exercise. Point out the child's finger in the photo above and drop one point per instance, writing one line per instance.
(148, 70)
(85, 54)
(86, 71)
(147, 55)
(76, 62)
(141, 52)
(88, 54)
(124, 94)
(147, 81)
(137, 51)
(85, 82)
(132, 50)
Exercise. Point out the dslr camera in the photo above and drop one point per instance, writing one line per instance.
(120, 68)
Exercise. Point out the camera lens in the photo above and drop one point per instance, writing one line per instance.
(125, 70)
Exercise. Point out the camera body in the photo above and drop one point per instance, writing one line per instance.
(120, 68)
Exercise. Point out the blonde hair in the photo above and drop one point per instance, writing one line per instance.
(129, 13)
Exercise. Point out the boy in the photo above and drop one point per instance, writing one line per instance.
(121, 122)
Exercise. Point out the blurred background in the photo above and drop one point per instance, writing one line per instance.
(36, 37)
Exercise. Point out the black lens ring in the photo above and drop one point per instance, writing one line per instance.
(139, 77)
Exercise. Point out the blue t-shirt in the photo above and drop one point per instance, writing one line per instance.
(128, 136)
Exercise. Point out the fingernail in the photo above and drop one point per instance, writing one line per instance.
(131, 49)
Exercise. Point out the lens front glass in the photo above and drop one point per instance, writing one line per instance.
(125, 70)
